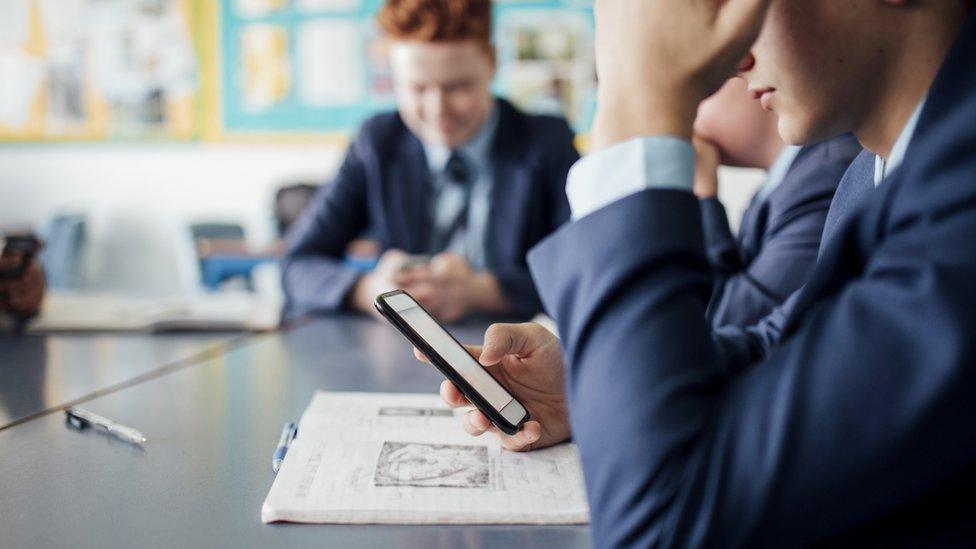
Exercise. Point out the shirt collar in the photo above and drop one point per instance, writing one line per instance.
(476, 149)
(884, 168)
(780, 167)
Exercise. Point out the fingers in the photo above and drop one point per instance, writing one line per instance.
(476, 424)
(425, 294)
(741, 20)
(24, 296)
(412, 276)
(452, 396)
(420, 356)
(449, 265)
(523, 440)
(392, 257)
(706, 153)
(473, 350)
(508, 339)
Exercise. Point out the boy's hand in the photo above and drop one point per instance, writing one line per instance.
(528, 361)
(658, 59)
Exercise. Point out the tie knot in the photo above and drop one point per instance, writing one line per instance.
(457, 169)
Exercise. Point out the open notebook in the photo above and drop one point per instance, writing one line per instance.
(404, 459)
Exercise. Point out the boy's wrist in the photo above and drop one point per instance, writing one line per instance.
(623, 116)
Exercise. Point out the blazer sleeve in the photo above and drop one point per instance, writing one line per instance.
(740, 347)
(562, 160)
(721, 248)
(855, 414)
(516, 282)
(745, 292)
(313, 275)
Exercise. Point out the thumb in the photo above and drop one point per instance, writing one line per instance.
(501, 340)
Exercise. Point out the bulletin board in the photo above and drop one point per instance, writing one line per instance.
(321, 65)
(97, 70)
(225, 70)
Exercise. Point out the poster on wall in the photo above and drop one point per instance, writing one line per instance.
(97, 69)
(331, 58)
(266, 68)
(325, 66)
(546, 62)
(258, 8)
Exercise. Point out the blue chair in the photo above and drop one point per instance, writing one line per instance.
(64, 239)
(218, 265)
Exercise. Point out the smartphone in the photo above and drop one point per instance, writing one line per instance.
(414, 261)
(25, 244)
(453, 360)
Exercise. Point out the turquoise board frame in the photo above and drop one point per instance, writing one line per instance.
(292, 116)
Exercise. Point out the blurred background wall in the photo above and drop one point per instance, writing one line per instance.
(139, 198)
(145, 116)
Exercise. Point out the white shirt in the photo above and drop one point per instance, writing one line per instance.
(777, 172)
(603, 177)
(666, 162)
(884, 167)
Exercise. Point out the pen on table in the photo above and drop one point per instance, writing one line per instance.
(83, 418)
(288, 434)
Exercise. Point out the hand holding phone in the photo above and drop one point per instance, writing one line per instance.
(448, 356)
(24, 247)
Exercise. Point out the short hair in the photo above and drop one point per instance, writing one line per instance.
(437, 20)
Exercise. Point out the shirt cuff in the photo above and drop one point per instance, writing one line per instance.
(656, 162)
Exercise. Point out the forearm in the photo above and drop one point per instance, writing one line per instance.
(720, 245)
(678, 451)
(632, 321)
(316, 283)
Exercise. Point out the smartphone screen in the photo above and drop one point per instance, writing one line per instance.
(505, 407)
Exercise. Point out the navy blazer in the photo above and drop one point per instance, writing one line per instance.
(742, 346)
(383, 186)
(778, 238)
(856, 429)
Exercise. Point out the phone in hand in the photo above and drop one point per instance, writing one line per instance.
(27, 245)
(415, 261)
(453, 360)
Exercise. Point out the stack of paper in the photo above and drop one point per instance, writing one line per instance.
(388, 458)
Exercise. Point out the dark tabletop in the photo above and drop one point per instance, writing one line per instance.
(212, 427)
(38, 373)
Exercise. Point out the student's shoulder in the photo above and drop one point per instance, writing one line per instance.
(839, 150)
(813, 178)
(541, 129)
(380, 132)
(821, 166)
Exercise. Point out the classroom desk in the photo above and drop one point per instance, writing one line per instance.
(212, 427)
(39, 373)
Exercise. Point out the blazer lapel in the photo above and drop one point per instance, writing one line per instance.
(510, 193)
(408, 189)
(753, 225)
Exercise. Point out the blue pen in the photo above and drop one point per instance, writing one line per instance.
(288, 434)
